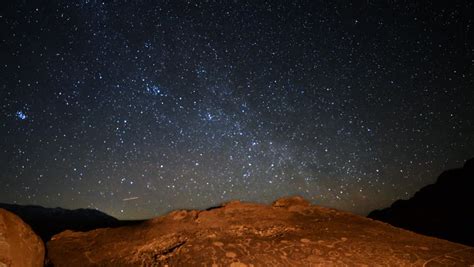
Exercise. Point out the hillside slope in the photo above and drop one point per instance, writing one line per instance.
(291, 232)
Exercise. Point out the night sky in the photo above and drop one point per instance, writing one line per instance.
(137, 109)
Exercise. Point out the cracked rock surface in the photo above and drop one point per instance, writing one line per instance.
(291, 232)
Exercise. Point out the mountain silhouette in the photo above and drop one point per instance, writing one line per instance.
(47, 222)
(444, 209)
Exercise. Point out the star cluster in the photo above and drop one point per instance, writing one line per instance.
(140, 107)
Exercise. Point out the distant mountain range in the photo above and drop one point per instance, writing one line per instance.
(47, 222)
(444, 209)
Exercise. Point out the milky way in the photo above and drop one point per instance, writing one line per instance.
(140, 108)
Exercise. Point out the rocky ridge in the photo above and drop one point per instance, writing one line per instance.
(291, 232)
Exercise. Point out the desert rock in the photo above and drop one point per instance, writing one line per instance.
(19, 245)
(248, 234)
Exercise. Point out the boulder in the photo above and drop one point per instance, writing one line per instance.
(19, 245)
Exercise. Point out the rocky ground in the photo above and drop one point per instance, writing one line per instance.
(291, 232)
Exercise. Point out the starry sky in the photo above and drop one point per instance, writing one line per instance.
(137, 108)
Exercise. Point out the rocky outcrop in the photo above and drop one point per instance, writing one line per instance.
(19, 245)
(444, 209)
(291, 232)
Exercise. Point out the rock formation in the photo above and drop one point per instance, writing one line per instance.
(291, 232)
(19, 245)
(444, 209)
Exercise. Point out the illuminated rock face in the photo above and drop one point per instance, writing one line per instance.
(291, 232)
(19, 245)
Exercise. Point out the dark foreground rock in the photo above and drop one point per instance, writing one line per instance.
(19, 245)
(444, 209)
(289, 233)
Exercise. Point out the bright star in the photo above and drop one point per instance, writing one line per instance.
(21, 115)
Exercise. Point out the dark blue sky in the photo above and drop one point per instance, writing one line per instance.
(140, 108)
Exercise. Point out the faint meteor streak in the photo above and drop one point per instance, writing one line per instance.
(130, 198)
